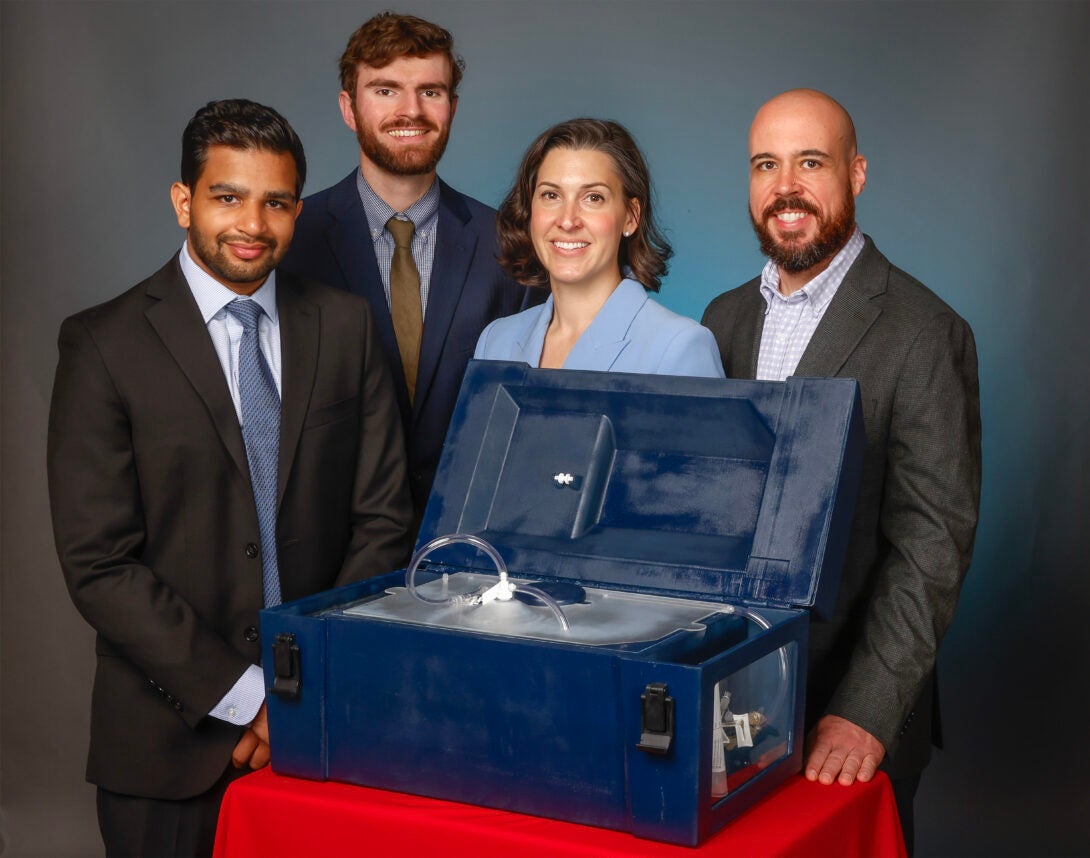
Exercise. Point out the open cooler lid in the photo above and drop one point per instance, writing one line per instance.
(740, 491)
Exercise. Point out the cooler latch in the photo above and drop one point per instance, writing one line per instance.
(286, 666)
(657, 725)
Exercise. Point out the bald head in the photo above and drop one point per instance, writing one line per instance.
(804, 176)
(808, 107)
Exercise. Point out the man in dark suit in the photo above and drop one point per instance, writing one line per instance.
(399, 81)
(222, 437)
(829, 304)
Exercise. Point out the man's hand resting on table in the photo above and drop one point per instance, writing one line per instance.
(838, 750)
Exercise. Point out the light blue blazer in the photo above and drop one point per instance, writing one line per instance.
(631, 333)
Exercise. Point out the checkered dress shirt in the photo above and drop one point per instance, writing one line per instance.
(424, 214)
(791, 321)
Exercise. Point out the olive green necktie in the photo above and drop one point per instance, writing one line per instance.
(405, 308)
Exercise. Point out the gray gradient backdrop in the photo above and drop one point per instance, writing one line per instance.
(972, 116)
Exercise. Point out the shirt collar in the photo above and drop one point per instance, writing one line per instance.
(819, 291)
(212, 296)
(378, 211)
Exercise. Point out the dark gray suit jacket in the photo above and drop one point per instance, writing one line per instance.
(912, 535)
(154, 515)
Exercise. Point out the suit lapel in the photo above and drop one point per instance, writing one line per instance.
(177, 320)
(349, 237)
(748, 327)
(607, 336)
(454, 251)
(299, 336)
(528, 342)
(848, 317)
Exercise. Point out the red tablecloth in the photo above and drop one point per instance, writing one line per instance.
(266, 815)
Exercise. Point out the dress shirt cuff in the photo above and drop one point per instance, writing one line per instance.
(239, 706)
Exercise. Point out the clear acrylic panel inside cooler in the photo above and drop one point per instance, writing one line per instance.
(752, 720)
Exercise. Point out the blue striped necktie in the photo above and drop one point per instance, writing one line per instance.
(261, 432)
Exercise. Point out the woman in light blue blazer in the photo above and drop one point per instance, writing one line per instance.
(578, 215)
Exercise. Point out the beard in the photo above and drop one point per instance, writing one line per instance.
(795, 254)
(211, 251)
(415, 161)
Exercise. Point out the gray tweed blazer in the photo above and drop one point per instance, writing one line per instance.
(912, 536)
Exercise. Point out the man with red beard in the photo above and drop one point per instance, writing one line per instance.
(223, 437)
(829, 304)
(399, 83)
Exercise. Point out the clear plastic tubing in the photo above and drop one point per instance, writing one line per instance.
(547, 600)
(470, 599)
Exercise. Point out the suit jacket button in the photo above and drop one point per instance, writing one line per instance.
(250, 634)
(251, 550)
(178, 705)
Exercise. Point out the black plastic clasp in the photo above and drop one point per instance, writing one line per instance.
(657, 725)
(286, 666)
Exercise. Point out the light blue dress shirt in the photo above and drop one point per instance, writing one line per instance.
(240, 704)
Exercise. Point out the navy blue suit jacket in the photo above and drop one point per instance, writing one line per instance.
(468, 290)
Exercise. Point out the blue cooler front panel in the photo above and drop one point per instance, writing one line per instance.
(732, 494)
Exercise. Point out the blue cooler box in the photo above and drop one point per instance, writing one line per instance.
(680, 527)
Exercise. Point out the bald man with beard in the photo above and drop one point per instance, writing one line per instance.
(828, 303)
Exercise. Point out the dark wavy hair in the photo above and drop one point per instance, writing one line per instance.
(645, 252)
(388, 36)
(239, 124)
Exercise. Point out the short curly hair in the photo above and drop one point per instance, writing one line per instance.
(645, 252)
(387, 37)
